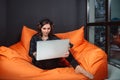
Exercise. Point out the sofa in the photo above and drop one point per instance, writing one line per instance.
(16, 64)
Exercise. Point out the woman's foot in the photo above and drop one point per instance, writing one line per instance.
(79, 69)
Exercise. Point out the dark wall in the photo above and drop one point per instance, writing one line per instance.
(2, 22)
(66, 14)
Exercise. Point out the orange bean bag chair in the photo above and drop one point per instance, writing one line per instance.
(15, 63)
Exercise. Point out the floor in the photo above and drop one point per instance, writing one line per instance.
(114, 73)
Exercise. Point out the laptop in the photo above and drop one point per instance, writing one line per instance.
(52, 49)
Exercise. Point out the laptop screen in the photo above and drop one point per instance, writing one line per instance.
(52, 49)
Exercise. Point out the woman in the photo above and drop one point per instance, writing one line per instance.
(45, 28)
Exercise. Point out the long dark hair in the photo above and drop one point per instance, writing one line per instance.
(42, 23)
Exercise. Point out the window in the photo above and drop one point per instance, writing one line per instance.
(103, 27)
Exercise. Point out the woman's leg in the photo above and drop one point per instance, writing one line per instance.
(72, 60)
(77, 67)
(80, 69)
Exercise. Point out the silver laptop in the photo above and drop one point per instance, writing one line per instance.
(52, 49)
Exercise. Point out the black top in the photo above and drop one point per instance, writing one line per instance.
(34, 40)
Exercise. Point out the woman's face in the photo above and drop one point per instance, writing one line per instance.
(46, 29)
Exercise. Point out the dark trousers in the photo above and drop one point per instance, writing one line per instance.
(54, 63)
(72, 60)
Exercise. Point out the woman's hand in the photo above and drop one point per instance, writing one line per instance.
(34, 54)
(67, 54)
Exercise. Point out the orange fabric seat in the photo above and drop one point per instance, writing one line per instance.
(15, 63)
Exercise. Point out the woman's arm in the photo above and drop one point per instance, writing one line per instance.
(32, 48)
